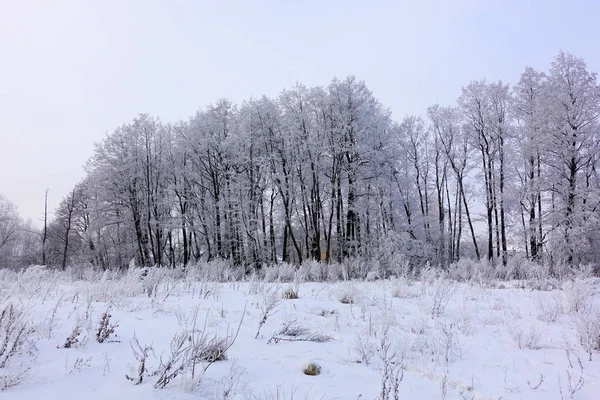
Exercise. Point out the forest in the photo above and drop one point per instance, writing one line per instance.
(328, 174)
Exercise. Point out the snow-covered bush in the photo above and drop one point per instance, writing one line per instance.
(268, 305)
(347, 294)
(439, 293)
(462, 270)
(363, 350)
(188, 350)
(283, 272)
(141, 354)
(314, 271)
(84, 272)
(549, 309)
(75, 339)
(525, 339)
(217, 270)
(15, 333)
(12, 379)
(391, 368)
(16, 338)
(401, 289)
(587, 323)
(358, 268)
(579, 295)
(468, 270)
(229, 386)
(105, 327)
(399, 254)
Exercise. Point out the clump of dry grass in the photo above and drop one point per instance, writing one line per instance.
(312, 369)
(290, 293)
(291, 331)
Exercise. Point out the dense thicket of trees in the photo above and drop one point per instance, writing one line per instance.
(324, 173)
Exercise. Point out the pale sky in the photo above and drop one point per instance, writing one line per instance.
(71, 71)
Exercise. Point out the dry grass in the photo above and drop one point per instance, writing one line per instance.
(312, 369)
(290, 294)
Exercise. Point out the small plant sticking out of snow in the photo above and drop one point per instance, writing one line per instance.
(189, 349)
(175, 363)
(440, 292)
(14, 333)
(190, 384)
(51, 320)
(326, 313)
(391, 371)
(141, 354)
(15, 338)
(312, 369)
(588, 330)
(105, 327)
(269, 304)
(575, 380)
(229, 386)
(78, 365)
(536, 385)
(363, 349)
(73, 339)
(9, 380)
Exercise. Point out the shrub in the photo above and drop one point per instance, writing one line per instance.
(347, 294)
(72, 340)
(440, 292)
(280, 273)
(105, 327)
(579, 295)
(363, 349)
(588, 330)
(141, 354)
(14, 333)
(526, 340)
(401, 289)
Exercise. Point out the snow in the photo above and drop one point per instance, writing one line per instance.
(457, 340)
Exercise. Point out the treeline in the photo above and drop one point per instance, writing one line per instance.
(325, 173)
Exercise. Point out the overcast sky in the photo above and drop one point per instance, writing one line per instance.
(71, 71)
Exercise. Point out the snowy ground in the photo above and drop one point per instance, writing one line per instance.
(450, 340)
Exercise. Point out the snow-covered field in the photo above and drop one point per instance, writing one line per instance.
(440, 339)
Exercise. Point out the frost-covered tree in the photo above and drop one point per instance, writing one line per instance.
(10, 224)
(528, 107)
(326, 174)
(573, 106)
